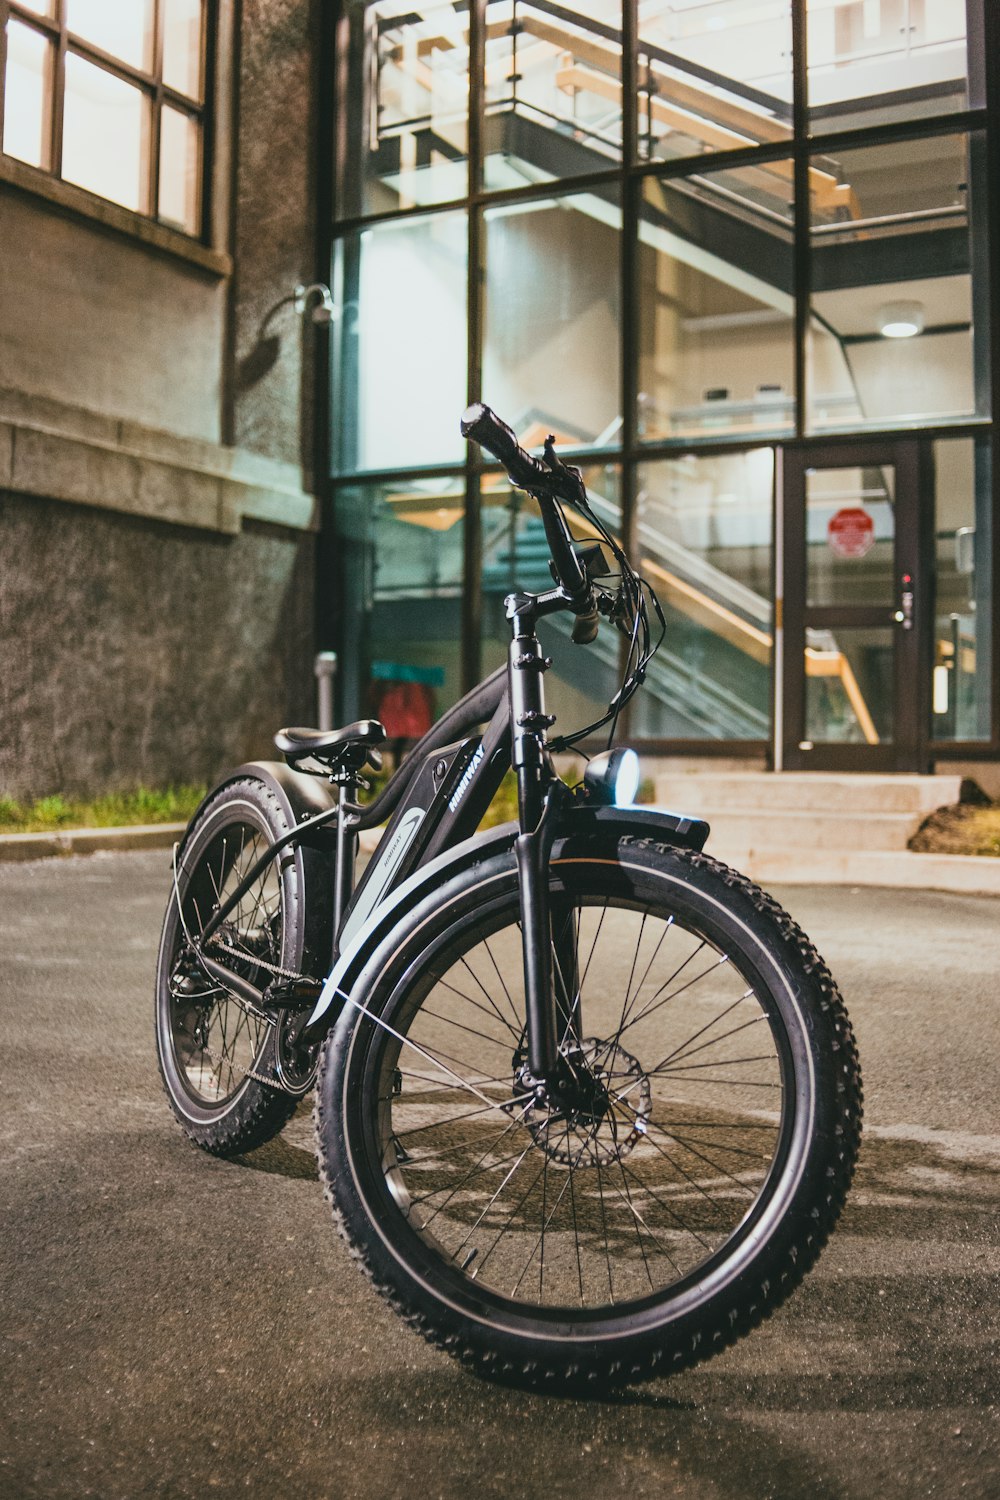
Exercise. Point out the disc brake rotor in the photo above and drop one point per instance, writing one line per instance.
(602, 1113)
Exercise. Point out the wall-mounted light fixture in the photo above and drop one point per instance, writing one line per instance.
(900, 320)
(323, 309)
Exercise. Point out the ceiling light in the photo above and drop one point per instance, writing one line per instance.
(900, 320)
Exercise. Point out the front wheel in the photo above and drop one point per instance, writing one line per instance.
(680, 1184)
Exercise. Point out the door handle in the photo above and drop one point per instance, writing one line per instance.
(904, 614)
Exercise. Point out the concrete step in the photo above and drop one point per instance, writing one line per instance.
(706, 793)
(958, 873)
(808, 830)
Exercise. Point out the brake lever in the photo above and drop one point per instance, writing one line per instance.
(576, 490)
(615, 607)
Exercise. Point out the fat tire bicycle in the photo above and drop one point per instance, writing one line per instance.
(587, 1101)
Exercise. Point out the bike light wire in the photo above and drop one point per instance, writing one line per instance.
(642, 646)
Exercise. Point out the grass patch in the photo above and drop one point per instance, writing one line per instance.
(961, 829)
(175, 804)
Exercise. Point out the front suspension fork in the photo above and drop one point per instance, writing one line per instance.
(532, 851)
(547, 924)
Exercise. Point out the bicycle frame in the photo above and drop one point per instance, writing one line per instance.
(440, 795)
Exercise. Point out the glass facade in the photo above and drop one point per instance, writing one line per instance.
(687, 241)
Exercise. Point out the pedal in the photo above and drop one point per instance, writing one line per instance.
(293, 994)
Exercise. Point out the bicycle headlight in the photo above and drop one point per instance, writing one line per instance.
(613, 778)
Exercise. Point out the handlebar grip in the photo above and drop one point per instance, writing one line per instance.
(484, 427)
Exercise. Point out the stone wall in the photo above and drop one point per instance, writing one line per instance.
(275, 230)
(157, 513)
(142, 652)
(88, 316)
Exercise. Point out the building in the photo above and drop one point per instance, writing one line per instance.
(735, 254)
(158, 517)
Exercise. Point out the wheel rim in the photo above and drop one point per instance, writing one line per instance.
(217, 1042)
(639, 1187)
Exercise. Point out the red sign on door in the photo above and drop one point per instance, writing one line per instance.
(851, 532)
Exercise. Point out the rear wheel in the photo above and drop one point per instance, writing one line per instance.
(677, 1185)
(233, 1077)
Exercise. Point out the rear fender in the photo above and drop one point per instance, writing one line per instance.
(299, 796)
(430, 884)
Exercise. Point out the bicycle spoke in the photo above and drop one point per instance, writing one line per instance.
(585, 1203)
(449, 1021)
(510, 1002)
(489, 999)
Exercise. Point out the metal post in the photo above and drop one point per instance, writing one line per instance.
(325, 668)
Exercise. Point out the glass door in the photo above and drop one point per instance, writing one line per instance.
(857, 530)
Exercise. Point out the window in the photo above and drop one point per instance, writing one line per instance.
(110, 95)
(677, 235)
(895, 292)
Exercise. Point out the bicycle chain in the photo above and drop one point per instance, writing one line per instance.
(261, 963)
(272, 968)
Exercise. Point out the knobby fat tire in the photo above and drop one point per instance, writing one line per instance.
(763, 1274)
(257, 1111)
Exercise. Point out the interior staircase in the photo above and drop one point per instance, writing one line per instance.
(801, 826)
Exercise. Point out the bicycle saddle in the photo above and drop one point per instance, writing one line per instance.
(332, 745)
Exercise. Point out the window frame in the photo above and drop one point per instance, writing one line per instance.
(812, 136)
(65, 42)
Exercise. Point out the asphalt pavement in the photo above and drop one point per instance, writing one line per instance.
(175, 1325)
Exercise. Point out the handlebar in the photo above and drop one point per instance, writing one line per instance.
(550, 481)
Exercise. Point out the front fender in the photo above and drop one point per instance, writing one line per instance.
(431, 880)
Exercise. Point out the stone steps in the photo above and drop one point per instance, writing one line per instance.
(760, 813)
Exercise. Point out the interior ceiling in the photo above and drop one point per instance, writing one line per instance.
(851, 310)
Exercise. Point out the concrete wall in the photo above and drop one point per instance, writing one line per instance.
(157, 520)
(90, 318)
(275, 230)
(144, 652)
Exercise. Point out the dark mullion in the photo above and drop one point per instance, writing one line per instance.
(4, 12)
(631, 205)
(208, 89)
(328, 94)
(991, 59)
(41, 23)
(744, 156)
(148, 82)
(155, 125)
(58, 92)
(182, 102)
(398, 476)
(207, 50)
(718, 447)
(674, 448)
(101, 59)
(801, 213)
(919, 128)
(472, 542)
(695, 166)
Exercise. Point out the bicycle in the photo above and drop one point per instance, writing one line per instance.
(587, 1101)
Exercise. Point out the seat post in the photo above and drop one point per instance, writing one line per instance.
(347, 853)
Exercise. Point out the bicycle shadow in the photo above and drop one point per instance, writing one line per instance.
(881, 1366)
(879, 1369)
(280, 1158)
